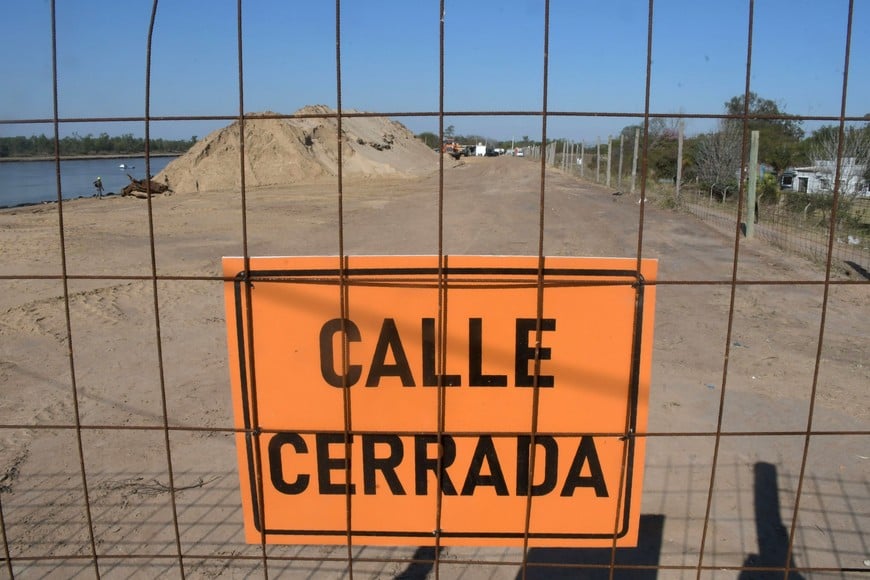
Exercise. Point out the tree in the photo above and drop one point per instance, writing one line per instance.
(449, 131)
(779, 133)
(764, 113)
(717, 156)
(662, 145)
(429, 138)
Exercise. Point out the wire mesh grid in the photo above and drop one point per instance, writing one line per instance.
(739, 482)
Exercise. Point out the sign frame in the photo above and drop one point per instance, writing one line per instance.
(595, 271)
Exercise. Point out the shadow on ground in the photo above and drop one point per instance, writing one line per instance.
(772, 535)
(558, 563)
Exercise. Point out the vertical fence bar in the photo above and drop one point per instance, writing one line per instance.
(539, 298)
(156, 295)
(70, 353)
(732, 298)
(825, 292)
(344, 290)
(441, 338)
(255, 433)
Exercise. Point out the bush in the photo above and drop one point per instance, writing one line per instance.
(768, 188)
(809, 203)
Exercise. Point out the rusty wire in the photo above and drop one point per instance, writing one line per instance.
(346, 280)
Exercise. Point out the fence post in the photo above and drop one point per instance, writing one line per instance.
(679, 180)
(753, 180)
(598, 160)
(634, 161)
(582, 158)
(619, 175)
(570, 164)
(609, 157)
(574, 149)
(573, 156)
(565, 155)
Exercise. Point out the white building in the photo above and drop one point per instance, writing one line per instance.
(819, 178)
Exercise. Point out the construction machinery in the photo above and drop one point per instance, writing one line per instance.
(452, 148)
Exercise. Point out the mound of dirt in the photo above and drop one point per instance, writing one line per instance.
(284, 151)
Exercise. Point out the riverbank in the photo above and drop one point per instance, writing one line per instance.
(34, 182)
(86, 157)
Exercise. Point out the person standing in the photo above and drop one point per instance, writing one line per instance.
(99, 185)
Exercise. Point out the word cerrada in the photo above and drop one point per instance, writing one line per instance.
(485, 468)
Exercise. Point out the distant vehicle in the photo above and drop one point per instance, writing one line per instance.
(519, 153)
(490, 152)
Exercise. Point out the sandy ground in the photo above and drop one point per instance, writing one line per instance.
(490, 207)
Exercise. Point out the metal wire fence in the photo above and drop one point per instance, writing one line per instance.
(741, 480)
(793, 233)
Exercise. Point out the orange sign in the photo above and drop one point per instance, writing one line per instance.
(391, 400)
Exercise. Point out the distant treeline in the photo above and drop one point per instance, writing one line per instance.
(103, 144)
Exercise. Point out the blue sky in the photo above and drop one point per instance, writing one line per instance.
(390, 54)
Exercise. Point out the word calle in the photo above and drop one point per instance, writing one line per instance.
(389, 342)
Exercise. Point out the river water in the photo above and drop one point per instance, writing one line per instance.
(29, 182)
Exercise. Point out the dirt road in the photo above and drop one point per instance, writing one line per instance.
(490, 206)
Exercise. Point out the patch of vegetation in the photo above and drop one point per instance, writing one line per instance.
(103, 144)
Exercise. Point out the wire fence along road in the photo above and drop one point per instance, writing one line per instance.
(803, 234)
(792, 234)
(117, 440)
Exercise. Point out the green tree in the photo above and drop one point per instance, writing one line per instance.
(779, 133)
(75, 144)
(429, 138)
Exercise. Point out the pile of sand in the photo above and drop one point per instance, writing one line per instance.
(283, 151)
